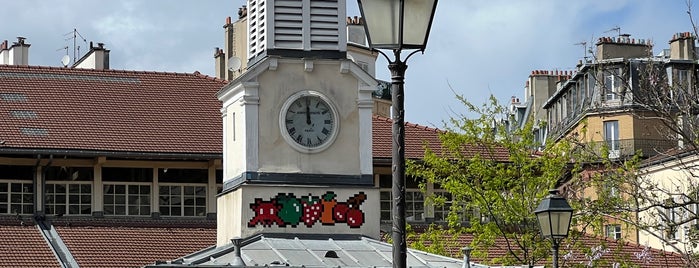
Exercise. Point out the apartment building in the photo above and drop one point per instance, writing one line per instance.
(599, 104)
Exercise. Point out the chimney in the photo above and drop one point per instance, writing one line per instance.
(229, 44)
(4, 53)
(242, 12)
(355, 31)
(19, 52)
(622, 47)
(233, 55)
(220, 63)
(682, 46)
(97, 58)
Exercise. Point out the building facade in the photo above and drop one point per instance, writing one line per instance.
(602, 104)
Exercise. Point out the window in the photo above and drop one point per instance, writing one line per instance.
(682, 79)
(414, 205)
(16, 197)
(670, 219)
(69, 198)
(176, 175)
(127, 174)
(182, 200)
(612, 188)
(611, 136)
(64, 173)
(680, 85)
(573, 101)
(414, 199)
(441, 211)
(127, 199)
(16, 189)
(590, 82)
(613, 231)
(612, 85)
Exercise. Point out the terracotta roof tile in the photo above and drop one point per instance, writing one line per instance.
(23, 246)
(133, 243)
(137, 111)
(110, 110)
(610, 250)
(416, 138)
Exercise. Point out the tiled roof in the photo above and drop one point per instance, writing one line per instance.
(112, 244)
(23, 246)
(137, 112)
(417, 137)
(109, 110)
(609, 252)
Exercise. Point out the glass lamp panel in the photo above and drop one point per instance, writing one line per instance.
(381, 18)
(544, 223)
(560, 221)
(416, 22)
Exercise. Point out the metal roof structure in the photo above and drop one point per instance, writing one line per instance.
(296, 250)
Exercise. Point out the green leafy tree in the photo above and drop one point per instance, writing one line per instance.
(496, 177)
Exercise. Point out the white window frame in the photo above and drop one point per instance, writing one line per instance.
(26, 197)
(182, 200)
(613, 231)
(445, 208)
(129, 199)
(51, 197)
(612, 84)
(671, 215)
(611, 136)
(412, 205)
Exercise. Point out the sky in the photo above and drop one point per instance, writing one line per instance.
(476, 48)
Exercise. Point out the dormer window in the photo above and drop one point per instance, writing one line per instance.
(612, 84)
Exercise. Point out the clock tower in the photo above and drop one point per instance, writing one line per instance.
(297, 128)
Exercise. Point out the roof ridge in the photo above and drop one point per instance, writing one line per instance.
(630, 243)
(411, 125)
(206, 76)
(124, 71)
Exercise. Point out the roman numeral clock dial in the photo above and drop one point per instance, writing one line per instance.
(308, 121)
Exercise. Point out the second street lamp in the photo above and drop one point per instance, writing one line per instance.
(554, 215)
(398, 25)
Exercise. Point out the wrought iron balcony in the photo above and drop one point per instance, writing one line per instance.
(628, 147)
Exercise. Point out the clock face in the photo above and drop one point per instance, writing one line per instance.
(308, 121)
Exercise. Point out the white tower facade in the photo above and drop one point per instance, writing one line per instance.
(297, 128)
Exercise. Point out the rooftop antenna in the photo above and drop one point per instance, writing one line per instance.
(616, 29)
(74, 34)
(66, 59)
(584, 46)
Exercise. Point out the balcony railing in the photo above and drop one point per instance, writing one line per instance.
(628, 147)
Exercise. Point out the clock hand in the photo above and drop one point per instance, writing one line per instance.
(308, 111)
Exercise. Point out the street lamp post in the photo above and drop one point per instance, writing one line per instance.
(554, 215)
(396, 25)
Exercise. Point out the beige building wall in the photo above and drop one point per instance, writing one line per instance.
(676, 177)
(628, 231)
